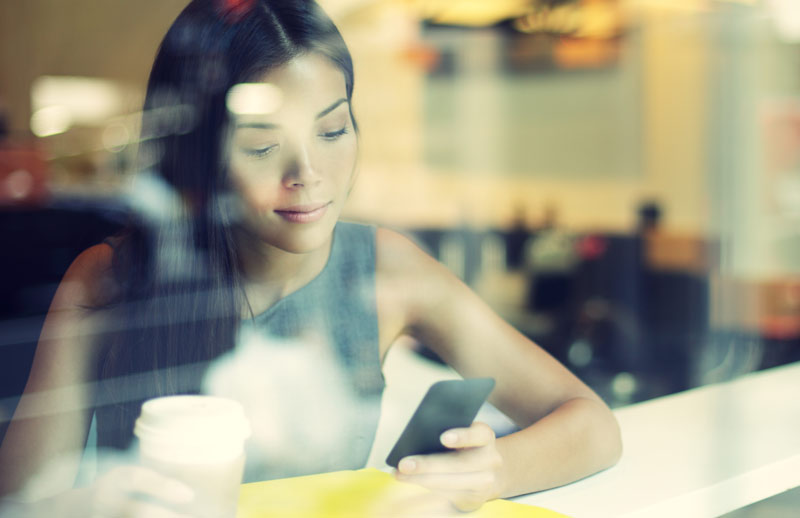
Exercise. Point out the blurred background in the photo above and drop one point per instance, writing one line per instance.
(620, 179)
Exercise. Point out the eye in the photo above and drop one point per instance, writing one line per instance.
(259, 152)
(333, 135)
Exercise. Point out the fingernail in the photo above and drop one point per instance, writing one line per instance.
(407, 465)
(449, 438)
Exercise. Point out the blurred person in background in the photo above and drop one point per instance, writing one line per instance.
(551, 259)
(254, 155)
(517, 238)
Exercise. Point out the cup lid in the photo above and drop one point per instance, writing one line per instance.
(196, 420)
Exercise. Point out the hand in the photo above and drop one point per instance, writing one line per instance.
(137, 492)
(468, 476)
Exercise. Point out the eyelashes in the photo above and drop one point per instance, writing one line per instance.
(333, 135)
(263, 152)
(260, 152)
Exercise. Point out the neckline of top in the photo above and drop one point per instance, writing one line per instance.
(315, 280)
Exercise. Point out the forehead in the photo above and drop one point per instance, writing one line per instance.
(309, 78)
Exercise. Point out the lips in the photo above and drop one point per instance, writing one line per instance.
(307, 213)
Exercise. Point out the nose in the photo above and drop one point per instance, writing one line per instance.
(298, 171)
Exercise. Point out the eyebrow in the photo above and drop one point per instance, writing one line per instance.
(330, 108)
(267, 125)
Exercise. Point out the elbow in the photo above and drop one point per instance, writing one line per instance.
(607, 437)
(601, 434)
(615, 447)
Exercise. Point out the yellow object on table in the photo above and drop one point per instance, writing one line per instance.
(364, 493)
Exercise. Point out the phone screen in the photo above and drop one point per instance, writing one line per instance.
(447, 404)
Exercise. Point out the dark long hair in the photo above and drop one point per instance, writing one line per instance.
(180, 297)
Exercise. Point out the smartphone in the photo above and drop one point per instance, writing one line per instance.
(447, 404)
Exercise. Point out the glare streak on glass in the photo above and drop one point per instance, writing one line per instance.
(253, 99)
(86, 100)
(50, 120)
(17, 330)
(53, 401)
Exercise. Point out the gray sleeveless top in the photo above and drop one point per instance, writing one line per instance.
(324, 342)
(316, 361)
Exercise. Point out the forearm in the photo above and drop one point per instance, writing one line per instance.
(69, 504)
(579, 438)
(47, 448)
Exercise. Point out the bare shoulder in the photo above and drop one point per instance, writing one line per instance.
(73, 317)
(407, 268)
(89, 281)
(93, 260)
(397, 253)
(411, 286)
(402, 272)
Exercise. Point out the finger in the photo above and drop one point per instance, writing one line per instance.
(148, 482)
(479, 434)
(459, 461)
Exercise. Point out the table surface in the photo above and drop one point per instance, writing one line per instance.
(699, 453)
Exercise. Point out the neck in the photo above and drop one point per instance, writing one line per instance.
(270, 273)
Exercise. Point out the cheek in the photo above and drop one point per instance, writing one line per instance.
(257, 193)
(344, 160)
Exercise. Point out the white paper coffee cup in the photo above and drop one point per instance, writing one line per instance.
(200, 441)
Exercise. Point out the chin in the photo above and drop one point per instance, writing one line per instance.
(303, 240)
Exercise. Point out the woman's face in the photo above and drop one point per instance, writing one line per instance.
(293, 162)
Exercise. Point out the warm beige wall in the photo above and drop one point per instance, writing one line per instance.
(114, 39)
(395, 185)
(678, 53)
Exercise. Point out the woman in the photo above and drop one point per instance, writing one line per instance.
(248, 120)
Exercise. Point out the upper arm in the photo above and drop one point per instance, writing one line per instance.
(54, 411)
(448, 317)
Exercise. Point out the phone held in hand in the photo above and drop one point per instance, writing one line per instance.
(447, 404)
